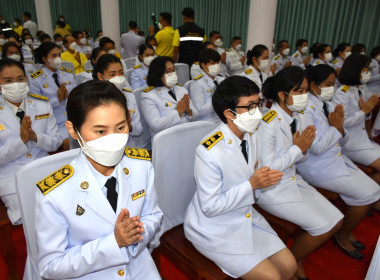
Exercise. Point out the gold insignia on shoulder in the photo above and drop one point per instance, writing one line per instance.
(277, 57)
(317, 62)
(196, 62)
(229, 50)
(148, 89)
(345, 88)
(89, 71)
(37, 74)
(296, 55)
(127, 90)
(55, 179)
(268, 117)
(312, 106)
(248, 71)
(198, 77)
(126, 171)
(301, 112)
(210, 142)
(2, 127)
(137, 66)
(137, 153)
(80, 210)
(335, 61)
(66, 70)
(39, 96)
(178, 84)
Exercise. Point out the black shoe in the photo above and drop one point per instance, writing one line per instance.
(376, 210)
(369, 213)
(358, 245)
(353, 254)
(301, 278)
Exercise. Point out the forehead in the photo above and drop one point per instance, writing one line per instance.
(249, 99)
(11, 71)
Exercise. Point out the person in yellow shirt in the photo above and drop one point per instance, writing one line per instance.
(61, 28)
(67, 26)
(18, 27)
(164, 37)
(71, 55)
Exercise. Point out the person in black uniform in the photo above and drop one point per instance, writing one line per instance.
(188, 39)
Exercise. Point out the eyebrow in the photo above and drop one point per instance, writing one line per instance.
(105, 126)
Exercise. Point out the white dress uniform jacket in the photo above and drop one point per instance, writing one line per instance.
(139, 76)
(337, 63)
(297, 59)
(201, 92)
(159, 108)
(29, 68)
(280, 62)
(131, 43)
(254, 75)
(75, 222)
(134, 113)
(234, 65)
(14, 153)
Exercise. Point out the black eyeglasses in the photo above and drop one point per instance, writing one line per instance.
(252, 107)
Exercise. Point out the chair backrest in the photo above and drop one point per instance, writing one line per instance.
(88, 65)
(68, 65)
(130, 62)
(26, 179)
(173, 161)
(188, 85)
(144, 139)
(374, 267)
(183, 72)
(128, 75)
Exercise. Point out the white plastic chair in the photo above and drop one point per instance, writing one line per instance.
(130, 62)
(183, 72)
(173, 161)
(188, 85)
(143, 140)
(26, 179)
(88, 65)
(128, 75)
(68, 65)
(373, 272)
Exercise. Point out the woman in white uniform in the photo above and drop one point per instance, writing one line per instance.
(292, 198)
(86, 75)
(322, 55)
(96, 216)
(326, 167)
(12, 50)
(342, 51)
(258, 61)
(140, 73)
(220, 220)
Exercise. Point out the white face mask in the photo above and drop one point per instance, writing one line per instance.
(55, 63)
(378, 58)
(365, 77)
(107, 150)
(171, 79)
(73, 46)
(299, 102)
(159, 25)
(263, 64)
(286, 51)
(246, 122)
(347, 54)
(15, 23)
(327, 93)
(118, 81)
(15, 92)
(238, 47)
(304, 50)
(59, 43)
(214, 70)
(363, 53)
(2, 41)
(2, 21)
(83, 41)
(148, 60)
(28, 42)
(218, 43)
(328, 57)
(16, 57)
(113, 51)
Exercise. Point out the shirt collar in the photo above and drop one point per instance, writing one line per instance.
(15, 108)
(288, 119)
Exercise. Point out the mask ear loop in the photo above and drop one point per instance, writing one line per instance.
(286, 97)
(80, 136)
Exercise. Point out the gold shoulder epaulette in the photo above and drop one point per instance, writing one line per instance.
(148, 89)
(229, 50)
(277, 57)
(196, 62)
(210, 142)
(317, 62)
(301, 112)
(248, 71)
(335, 61)
(137, 153)
(66, 70)
(89, 71)
(28, 61)
(37, 74)
(268, 117)
(296, 55)
(55, 179)
(39, 96)
(178, 84)
(127, 89)
(137, 66)
(345, 88)
(198, 77)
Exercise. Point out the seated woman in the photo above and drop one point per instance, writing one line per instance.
(27, 47)
(220, 220)
(292, 198)
(28, 131)
(97, 222)
(54, 82)
(12, 50)
(326, 167)
(86, 75)
(110, 68)
(195, 69)
(140, 73)
(258, 61)
(342, 51)
(204, 85)
(322, 55)
(165, 103)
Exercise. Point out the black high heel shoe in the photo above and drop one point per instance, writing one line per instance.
(355, 254)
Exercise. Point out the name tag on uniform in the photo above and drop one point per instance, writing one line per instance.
(43, 116)
(138, 194)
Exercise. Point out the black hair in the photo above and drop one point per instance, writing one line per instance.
(25, 31)
(300, 42)
(340, 48)
(17, 20)
(61, 16)
(132, 24)
(375, 51)
(235, 38)
(97, 33)
(142, 49)
(314, 47)
(228, 93)
(94, 54)
(103, 63)
(207, 55)
(24, 35)
(188, 12)
(7, 45)
(285, 80)
(358, 48)
(61, 23)
(56, 36)
(352, 68)
(281, 43)
(44, 36)
(43, 50)
(27, 15)
(141, 33)
(213, 33)
(12, 34)
(89, 96)
(167, 16)
(7, 62)
(65, 38)
(256, 51)
(39, 34)
(319, 73)
(104, 40)
(150, 38)
(157, 69)
(320, 50)
(76, 34)
(205, 45)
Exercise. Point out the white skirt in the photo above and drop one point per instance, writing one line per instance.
(364, 157)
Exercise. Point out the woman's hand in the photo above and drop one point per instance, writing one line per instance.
(128, 230)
